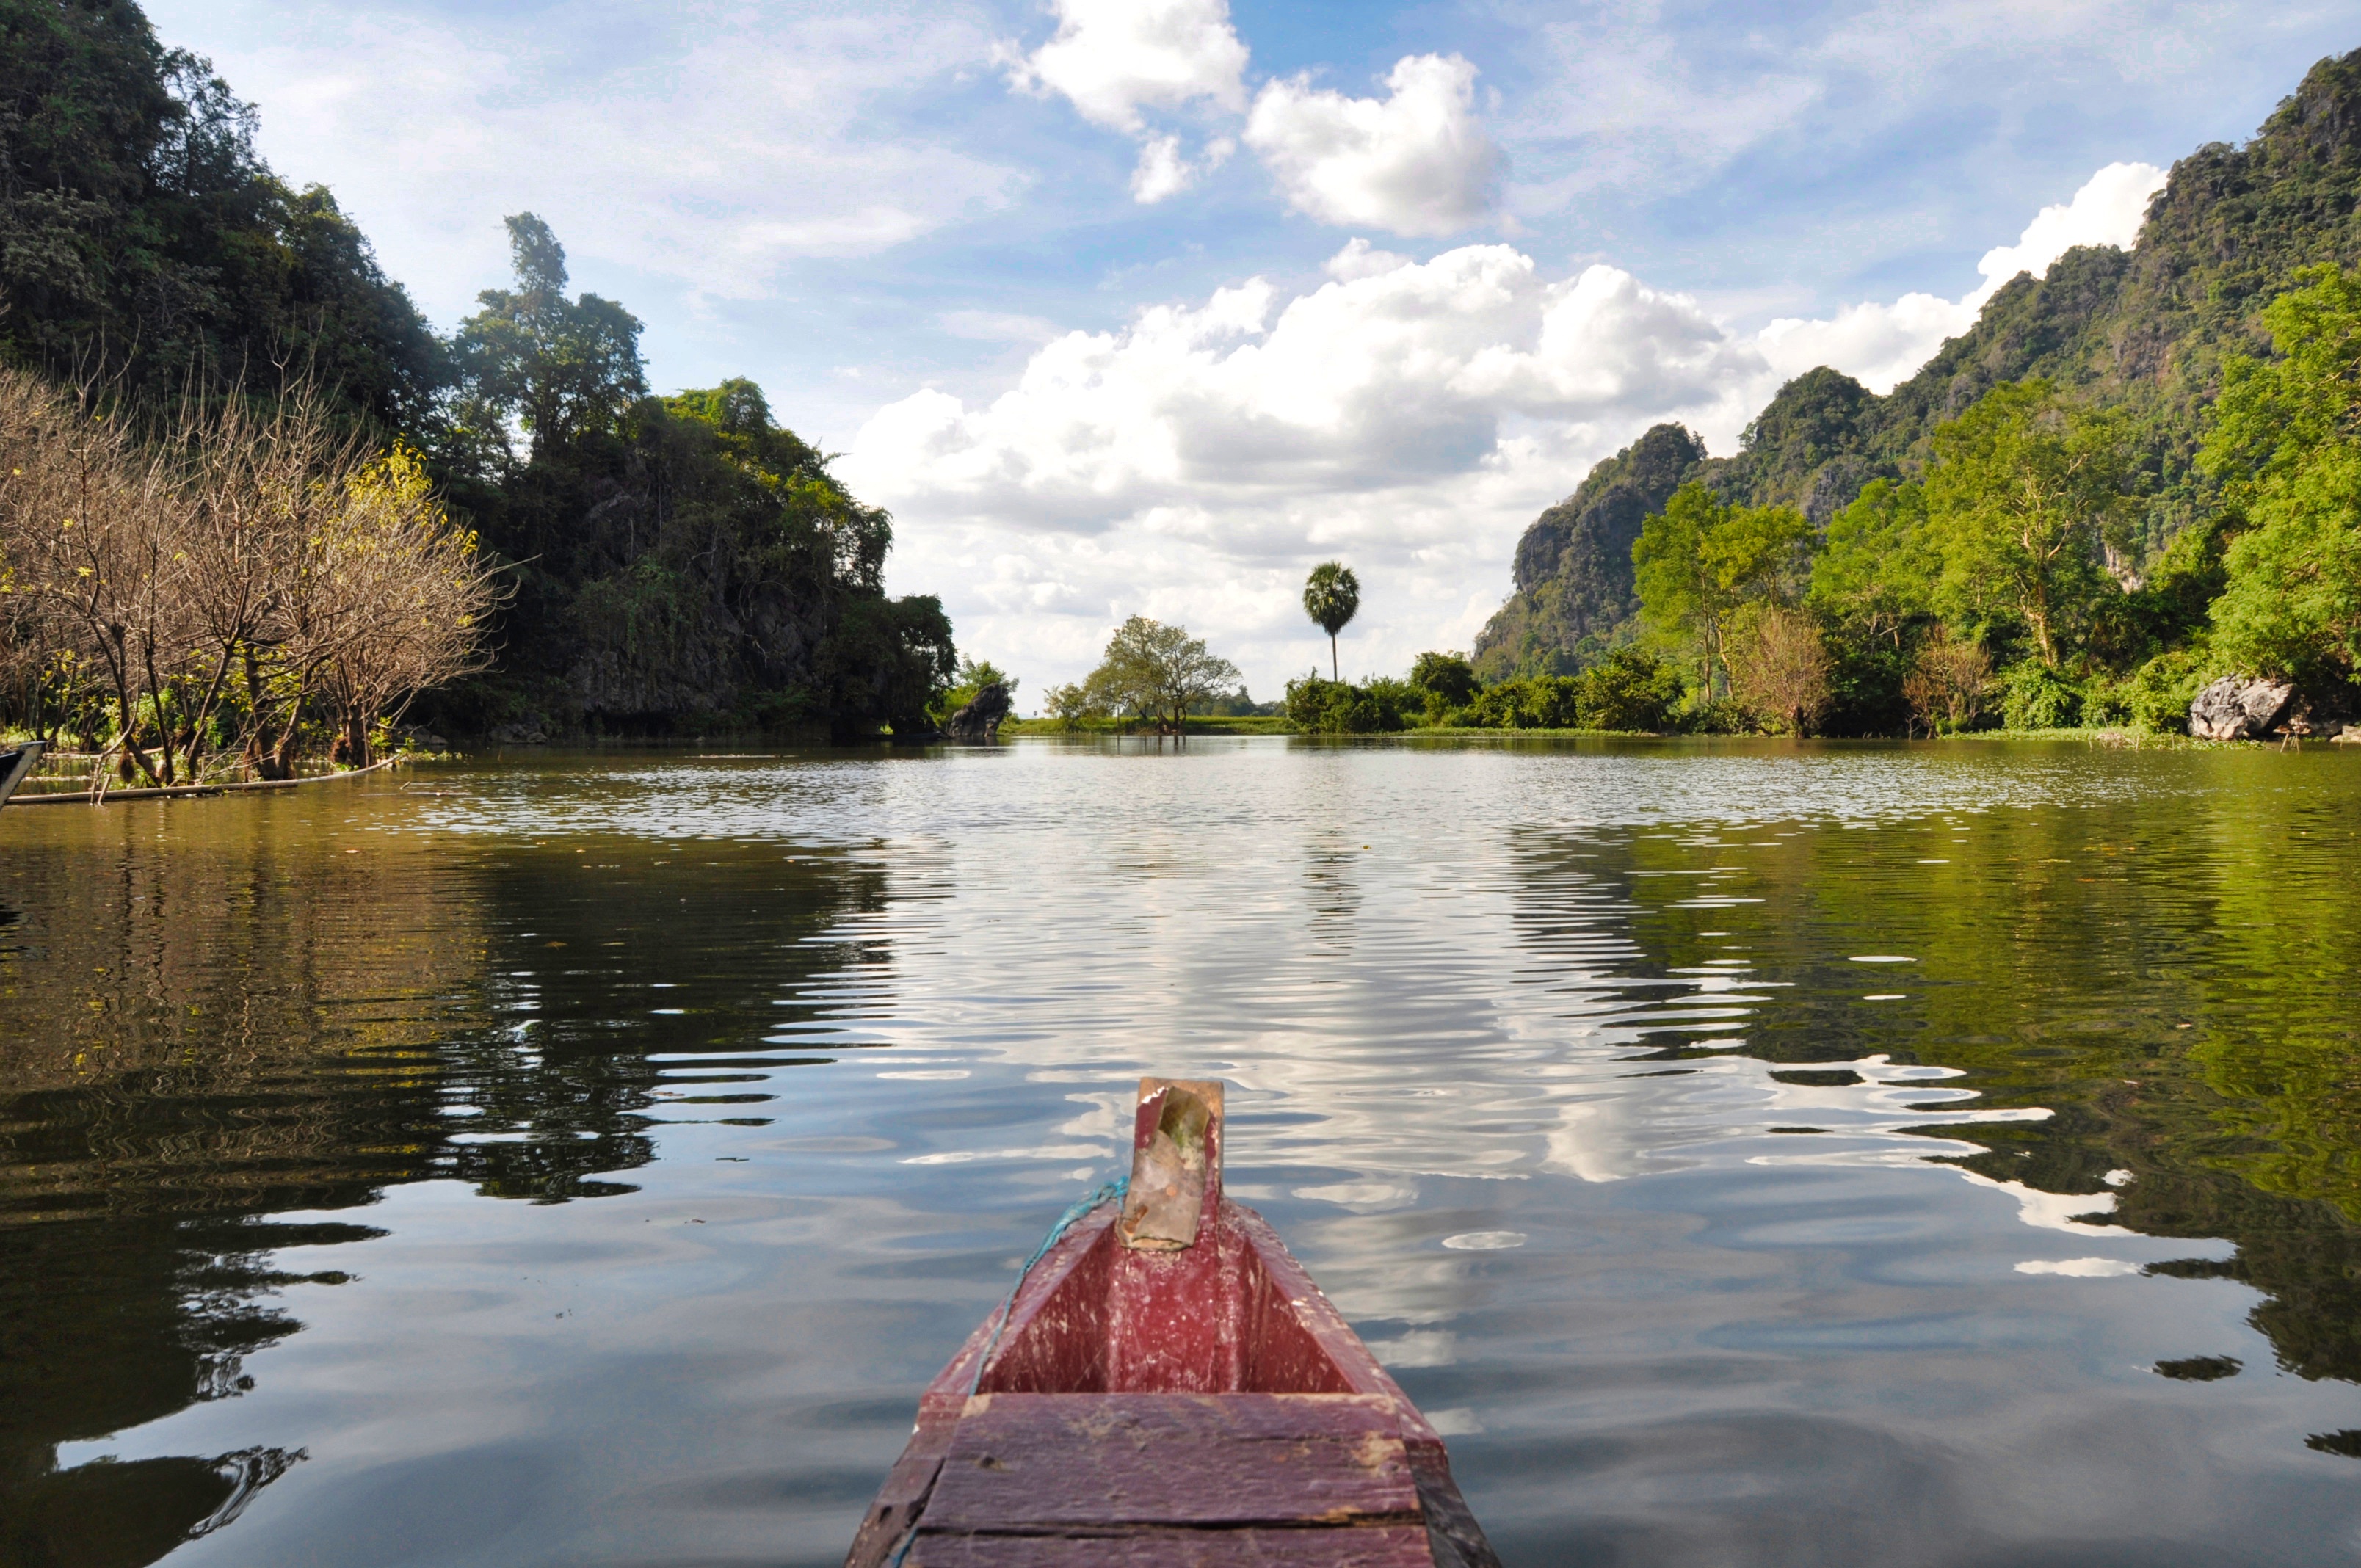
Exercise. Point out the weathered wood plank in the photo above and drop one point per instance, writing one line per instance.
(1037, 1460)
(1391, 1546)
(904, 1496)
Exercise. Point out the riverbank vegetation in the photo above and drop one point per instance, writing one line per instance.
(215, 593)
(2123, 481)
(1994, 590)
(661, 564)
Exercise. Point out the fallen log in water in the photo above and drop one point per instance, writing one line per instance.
(174, 792)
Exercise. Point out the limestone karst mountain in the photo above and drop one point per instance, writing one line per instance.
(2143, 333)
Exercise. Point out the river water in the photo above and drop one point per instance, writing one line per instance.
(1745, 1155)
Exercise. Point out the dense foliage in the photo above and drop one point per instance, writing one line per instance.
(673, 563)
(142, 237)
(681, 561)
(2286, 446)
(2055, 486)
(1630, 690)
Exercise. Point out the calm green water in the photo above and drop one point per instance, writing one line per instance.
(587, 1159)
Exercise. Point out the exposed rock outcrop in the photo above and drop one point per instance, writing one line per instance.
(1574, 564)
(2240, 708)
(979, 721)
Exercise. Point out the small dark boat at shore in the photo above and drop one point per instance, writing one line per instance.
(1167, 1386)
(16, 766)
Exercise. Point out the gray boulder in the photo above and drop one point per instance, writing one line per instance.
(2239, 708)
(979, 721)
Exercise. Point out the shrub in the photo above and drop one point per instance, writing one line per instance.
(1444, 681)
(1401, 701)
(1720, 716)
(1535, 702)
(1865, 694)
(1496, 707)
(2035, 696)
(1629, 689)
(1320, 706)
(2156, 695)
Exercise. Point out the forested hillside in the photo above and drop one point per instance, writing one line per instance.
(2141, 336)
(672, 563)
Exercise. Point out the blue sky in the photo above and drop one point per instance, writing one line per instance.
(1144, 306)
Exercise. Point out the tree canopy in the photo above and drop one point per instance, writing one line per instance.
(559, 368)
(1332, 597)
(1158, 672)
(143, 238)
(1699, 560)
(2024, 493)
(2286, 444)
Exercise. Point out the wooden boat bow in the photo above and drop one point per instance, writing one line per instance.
(16, 763)
(1166, 1385)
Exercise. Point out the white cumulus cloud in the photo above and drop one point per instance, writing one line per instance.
(1112, 58)
(1410, 416)
(1164, 171)
(1881, 343)
(2107, 210)
(1415, 162)
(1380, 377)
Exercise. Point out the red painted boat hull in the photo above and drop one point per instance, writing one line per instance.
(1205, 1406)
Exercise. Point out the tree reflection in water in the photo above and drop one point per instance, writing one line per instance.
(241, 1019)
(2176, 997)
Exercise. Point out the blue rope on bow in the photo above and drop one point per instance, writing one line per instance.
(1066, 1222)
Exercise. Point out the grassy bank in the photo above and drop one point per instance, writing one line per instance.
(1249, 724)
(2118, 739)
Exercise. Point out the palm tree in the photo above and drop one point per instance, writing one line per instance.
(1331, 594)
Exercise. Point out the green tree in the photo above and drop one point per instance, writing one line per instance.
(2024, 492)
(1876, 572)
(883, 662)
(143, 236)
(1699, 560)
(1069, 705)
(1332, 597)
(1157, 672)
(2286, 444)
(1629, 689)
(559, 367)
(1445, 680)
(1333, 707)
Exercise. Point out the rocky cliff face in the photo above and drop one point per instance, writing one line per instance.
(1574, 564)
(2144, 334)
(702, 571)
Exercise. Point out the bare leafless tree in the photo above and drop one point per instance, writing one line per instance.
(1948, 681)
(415, 592)
(1780, 667)
(251, 564)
